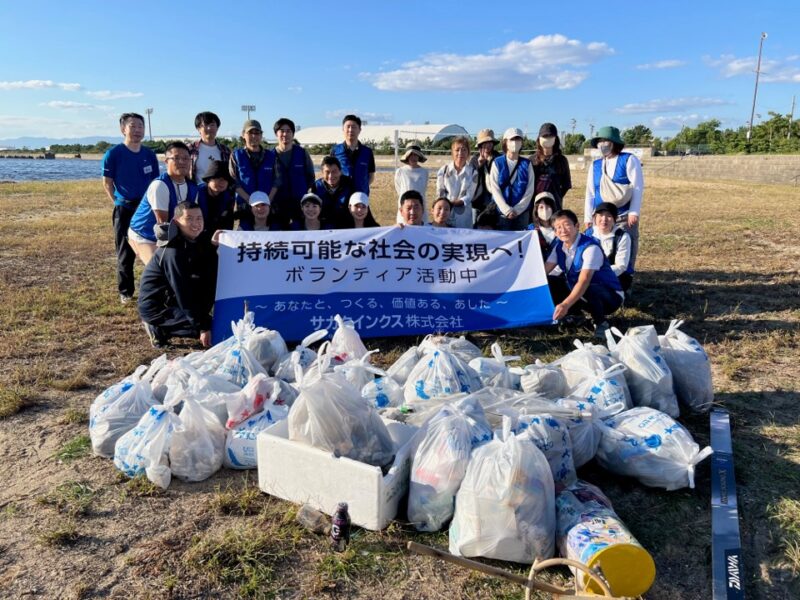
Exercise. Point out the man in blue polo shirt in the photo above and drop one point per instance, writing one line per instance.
(356, 159)
(128, 168)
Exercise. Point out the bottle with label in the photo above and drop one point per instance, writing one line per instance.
(340, 528)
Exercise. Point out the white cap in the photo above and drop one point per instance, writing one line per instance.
(359, 198)
(259, 198)
(513, 132)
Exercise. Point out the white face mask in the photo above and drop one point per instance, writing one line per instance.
(514, 146)
(544, 212)
(605, 148)
(547, 142)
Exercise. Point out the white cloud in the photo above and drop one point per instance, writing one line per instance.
(295, 89)
(677, 121)
(772, 70)
(661, 64)
(70, 105)
(372, 117)
(544, 62)
(38, 84)
(113, 95)
(672, 104)
(14, 126)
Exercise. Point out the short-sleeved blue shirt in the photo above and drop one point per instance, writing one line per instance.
(131, 171)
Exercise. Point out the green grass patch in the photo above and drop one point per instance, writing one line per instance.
(248, 500)
(13, 400)
(77, 447)
(71, 497)
(75, 416)
(139, 486)
(786, 515)
(63, 534)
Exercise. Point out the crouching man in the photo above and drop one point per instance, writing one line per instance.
(176, 293)
(586, 281)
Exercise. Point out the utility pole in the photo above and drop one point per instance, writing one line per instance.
(755, 91)
(248, 108)
(791, 117)
(573, 122)
(148, 112)
(591, 130)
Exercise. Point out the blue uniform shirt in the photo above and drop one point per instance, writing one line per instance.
(131, 171)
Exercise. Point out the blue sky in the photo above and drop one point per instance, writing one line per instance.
(70, 68)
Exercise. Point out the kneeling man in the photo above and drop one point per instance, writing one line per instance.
(586, 281)
(176, 293)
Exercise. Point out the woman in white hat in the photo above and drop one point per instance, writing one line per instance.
(411, 176)
(511, 181)
(359, 214)
(456, 181)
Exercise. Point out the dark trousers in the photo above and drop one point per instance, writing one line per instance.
(518, 223)
(125, 254)
(598, 300)
(173, 323)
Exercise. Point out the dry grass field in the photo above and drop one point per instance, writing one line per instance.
(722, 255)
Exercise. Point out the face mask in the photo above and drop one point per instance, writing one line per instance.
(544, 212)
(605, 148)
(547, 142)
(515, 146)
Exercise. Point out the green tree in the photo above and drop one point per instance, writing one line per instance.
(573, 143)
(638, 135)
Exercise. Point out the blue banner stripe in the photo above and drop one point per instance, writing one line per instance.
(387, 314)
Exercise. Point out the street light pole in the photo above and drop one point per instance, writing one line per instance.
(248, 108)
(755, 91)
(149, 111)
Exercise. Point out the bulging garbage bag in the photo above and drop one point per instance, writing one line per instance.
(239, 364)
(545, 380)
(251, 399)
(648, 376)
(346, 344)
(604, 389)
(383, 392)
(195, 452)
(551, 436)
(145, 448)
(401, 368)
(460, 346)
(494, 372)
(691, 370)
(359, 371)
(505, 507)
(585, 361)
(240, 443)
(301, 356)
(583, 432)
(439, 373)
(267, 347)
(648, 444)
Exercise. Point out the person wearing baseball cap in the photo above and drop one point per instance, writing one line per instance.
(258, 218)
(253, 167)
(512, 183)
(550, 166)
(481, 162)
(615, 177)
(614, 240)
(411, 176)
(359, 213)
(311, 207)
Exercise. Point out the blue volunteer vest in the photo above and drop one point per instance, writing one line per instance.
(620, 176)
(144, 219)
(332, 203)
(227, 200)
(295, 185)
(604, 276)
(513, 192)
(250, 179)
(358, 172)
(612, 256)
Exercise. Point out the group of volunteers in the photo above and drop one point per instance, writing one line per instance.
(171, 220)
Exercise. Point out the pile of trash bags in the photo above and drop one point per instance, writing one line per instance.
(496, 443)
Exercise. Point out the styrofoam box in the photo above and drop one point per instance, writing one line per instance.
(306, 475)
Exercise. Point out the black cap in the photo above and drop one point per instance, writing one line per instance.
(217, 169)
(607, 207)
(547, 129)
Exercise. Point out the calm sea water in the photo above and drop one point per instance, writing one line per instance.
(17, 169)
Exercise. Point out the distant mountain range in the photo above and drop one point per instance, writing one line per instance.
(43, 142)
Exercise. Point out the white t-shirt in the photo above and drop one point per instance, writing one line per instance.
(158, 194)
(623, 255)
(205, 155)
(407, 178)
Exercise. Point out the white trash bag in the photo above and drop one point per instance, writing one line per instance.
(604, 389)
(691, 369)
(440, 462)
(543, 379)
(240, 444)
(195, 452)
(585, 361)
(401, 368)
(210, 360)
(460, 346)
(649, 445)
(583, 432)
(239, 365)
(346, 344)
(267, 346)
(301, 356)
(494, 372)
(551, 436)
(359, 371)
(145, 448)
(329, 414)
(383, 392)
(648, 376)
(437, 374)
(505, 507)
(249, 400)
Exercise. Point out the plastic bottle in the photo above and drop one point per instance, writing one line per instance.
(340, 528)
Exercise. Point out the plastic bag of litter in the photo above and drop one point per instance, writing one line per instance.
(358, 371)
(440, 462)
(239, 364)
(118, 409)
(500, 402)
(329, 414)
(383, 392)
(438, 373)
(604, 389)
(460, 346)
(346, 344)
(647, 444)
(249, 400)
(583, 432)
(267, 346)
(546, 380)
(210, 360)
(691, 370)
(240, 443)
(494, 372)
(195, 452)
(145, 448)
(585, 361)
(301, 356)
(649, 377)
(551, 436)
(401, 368)
(206, 388)
(505, 507)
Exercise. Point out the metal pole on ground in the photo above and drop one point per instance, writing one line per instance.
(148, 112)
(396, 149)
(755, 91)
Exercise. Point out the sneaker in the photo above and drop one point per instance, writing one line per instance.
(125, 299)
(152, 335)
(600, 330)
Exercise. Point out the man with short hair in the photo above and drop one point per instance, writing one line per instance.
(334, 189)
(160, 200)
(207, 149)
(176, 293)
(253, 167)
(294, 177)
(356, 159)
(586, 281)
(411, 209)
(128, 168)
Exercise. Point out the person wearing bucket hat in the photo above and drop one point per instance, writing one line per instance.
(207, 148)
(411, 176)
(359, 213)
(615, 177)
(253, 167)
(512, 183)
(482, 161)
(614, 240)
(457, 181)
(550, 166)
(217, 198)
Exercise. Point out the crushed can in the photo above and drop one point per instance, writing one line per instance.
(340, 528)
